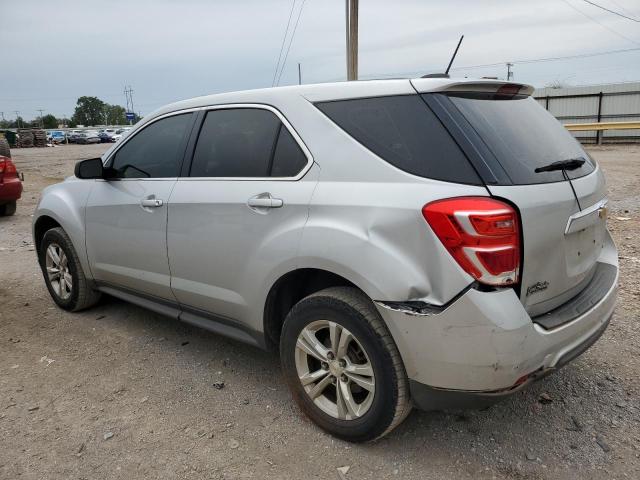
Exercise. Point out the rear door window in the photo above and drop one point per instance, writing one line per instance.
(246, 143)
(403, 131)
(522, 136)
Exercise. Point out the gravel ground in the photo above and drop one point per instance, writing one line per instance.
(119, 392)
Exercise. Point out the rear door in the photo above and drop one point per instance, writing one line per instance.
(563, 232)
(238, 215)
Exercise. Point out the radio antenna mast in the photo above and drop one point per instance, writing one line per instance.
(454, 56)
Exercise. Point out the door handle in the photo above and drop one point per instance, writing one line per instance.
(265, 200)
(151, 202)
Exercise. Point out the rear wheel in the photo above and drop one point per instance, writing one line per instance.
(342, 366)
(8, 209)
(63, 273)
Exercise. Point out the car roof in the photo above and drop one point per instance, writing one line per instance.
(339, 91)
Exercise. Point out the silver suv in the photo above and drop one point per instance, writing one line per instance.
(430, 242)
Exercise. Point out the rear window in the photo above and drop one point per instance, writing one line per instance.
(522, 136)
(403, 131)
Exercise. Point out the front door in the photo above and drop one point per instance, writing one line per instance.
(126, 216)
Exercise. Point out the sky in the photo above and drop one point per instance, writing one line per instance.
(168, 50)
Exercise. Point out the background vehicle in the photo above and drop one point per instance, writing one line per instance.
(56, 136)
(72, 135)
(10, 185)
(88, 136)
(106, 135)
(434, 242)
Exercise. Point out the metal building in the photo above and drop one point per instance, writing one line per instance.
(616, 102)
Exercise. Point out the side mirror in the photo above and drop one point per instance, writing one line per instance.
(89, 169)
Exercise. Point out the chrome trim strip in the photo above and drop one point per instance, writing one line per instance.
(577, 217)
(261, 106)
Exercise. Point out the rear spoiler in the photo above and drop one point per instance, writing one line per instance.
(426, 85)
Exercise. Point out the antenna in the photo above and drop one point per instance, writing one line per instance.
(446, 72)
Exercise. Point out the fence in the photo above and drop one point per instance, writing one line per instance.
(593, 105)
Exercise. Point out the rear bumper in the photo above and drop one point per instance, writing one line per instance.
(430, 398)
(10, 190)
(485, 346)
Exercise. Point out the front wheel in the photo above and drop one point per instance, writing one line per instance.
(342, 365)
(63, 273)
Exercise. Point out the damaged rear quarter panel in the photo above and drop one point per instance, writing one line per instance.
(374, 235)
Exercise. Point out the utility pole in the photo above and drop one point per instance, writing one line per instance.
(41, 121)
(18, 118)
(509, 72)
(351, 21)
(2, 115)
(299, 74)
(128, 94)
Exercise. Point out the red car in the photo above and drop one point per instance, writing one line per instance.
(10, 186)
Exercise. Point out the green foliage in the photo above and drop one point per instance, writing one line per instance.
(115, 115)
(89, 111)
(49, 121)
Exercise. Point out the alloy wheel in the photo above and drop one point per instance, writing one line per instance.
(335, 370)
(58, 273)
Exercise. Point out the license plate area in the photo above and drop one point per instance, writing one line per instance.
(584, 238)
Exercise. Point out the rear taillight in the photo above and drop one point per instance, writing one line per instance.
(7, 168)
(481, 234)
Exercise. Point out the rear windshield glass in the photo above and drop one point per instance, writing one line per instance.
(403, 131)
(523, 136)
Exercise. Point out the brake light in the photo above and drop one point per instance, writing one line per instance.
(482, 234)
(7, 167)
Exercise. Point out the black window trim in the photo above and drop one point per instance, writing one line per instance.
(185, 139)
(234, 106)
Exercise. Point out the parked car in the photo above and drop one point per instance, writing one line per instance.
(120, 133)
(56, 136)
(72, 135)
(433, 242)
(88, 136)
(10, 186)
(106, 135)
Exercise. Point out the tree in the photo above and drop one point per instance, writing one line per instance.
(89, 111)
(115, 115)
(49, 121)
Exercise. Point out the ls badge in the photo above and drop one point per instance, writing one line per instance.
(537, 287)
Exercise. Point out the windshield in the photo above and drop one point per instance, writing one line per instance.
(523, 136)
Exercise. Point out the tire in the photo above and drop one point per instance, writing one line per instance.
(81, 295)
(5, 151)
(373, 411)
(8, 209)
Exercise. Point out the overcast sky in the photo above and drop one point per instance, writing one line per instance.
(54, 52)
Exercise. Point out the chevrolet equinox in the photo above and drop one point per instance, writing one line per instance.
(431, 242)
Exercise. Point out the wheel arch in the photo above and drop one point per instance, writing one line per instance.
(288, 290)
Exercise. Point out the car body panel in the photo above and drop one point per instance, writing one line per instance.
(65, 203)
(127, 243)
(234, 250)
(556, 263)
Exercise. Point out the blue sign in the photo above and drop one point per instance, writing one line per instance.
(131, 116)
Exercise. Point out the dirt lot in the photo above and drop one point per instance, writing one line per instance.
(118, 392)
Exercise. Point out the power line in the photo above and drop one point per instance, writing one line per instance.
(549, 59)
(500, 64)
(600, 23)
(293, 34)
(611, 11)
(284, 38)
